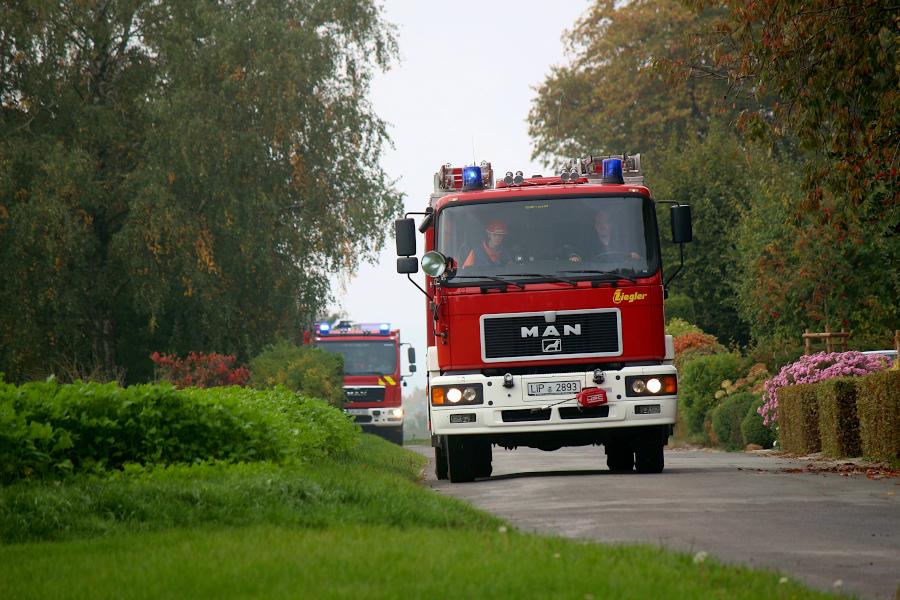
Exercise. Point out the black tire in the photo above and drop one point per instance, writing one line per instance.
(619, 458)
(649, 457)
(482, 459)
(440, 463)
(460, 459)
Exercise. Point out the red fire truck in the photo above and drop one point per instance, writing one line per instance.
(372, 378)
(545, 322)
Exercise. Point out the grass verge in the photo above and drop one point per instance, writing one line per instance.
(360, 527)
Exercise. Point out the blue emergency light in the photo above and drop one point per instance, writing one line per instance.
(472, 178)
(384, 327)
(324, 328)
(612, 170)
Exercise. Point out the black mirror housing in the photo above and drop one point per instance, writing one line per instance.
(405, 236)
(411, 355)
(407, 264)
(682, 228)
(412, 368)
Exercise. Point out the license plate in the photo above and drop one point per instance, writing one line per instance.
(553, 388)
(357, 411)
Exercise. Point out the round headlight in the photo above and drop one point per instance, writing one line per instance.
(469, 394)
(654, 385)
(638, 386)
(454, 395)
(397, 412)
(434, 263)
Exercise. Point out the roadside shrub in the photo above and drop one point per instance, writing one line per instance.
(303, 369)
(838, 424)
(199, 370)
(48, 430)
(817, 367)
(727, 417)
(753, 430)
(878, 409)
(798, 417)
(692, 345)
(677, 327)
(698, 383)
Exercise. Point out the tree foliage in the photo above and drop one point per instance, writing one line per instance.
(172, 175)
(610, 97)
(831, 255)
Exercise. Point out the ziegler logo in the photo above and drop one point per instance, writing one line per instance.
(619, 297)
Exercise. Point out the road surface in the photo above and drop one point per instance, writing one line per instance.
(746, 508)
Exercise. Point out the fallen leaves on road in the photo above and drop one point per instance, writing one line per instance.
(843, 469)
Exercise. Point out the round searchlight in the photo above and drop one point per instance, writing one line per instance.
(434, 263)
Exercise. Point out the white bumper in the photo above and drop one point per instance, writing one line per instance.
(513, 410)
(376, 417)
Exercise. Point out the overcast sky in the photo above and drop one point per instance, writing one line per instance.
(461, 92)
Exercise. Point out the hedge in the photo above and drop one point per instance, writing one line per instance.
(838, 425)
(48, 430)
(727, 417)
(303, 369)
(878, 409)
(798, 418)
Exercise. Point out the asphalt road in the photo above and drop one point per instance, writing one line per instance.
(744, 508)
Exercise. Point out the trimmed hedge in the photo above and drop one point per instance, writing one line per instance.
(878, 409)
(798, 418)
(838, 425)
(698, 383)
(48, 430)
(727, 418)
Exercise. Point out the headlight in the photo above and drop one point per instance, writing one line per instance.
(397, 412)
(651, 385)
(456, 395)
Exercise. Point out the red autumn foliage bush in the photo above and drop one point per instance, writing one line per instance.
(693, 344)
(201, 370)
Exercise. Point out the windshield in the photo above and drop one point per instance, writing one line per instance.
(364, 357)
(567, 238)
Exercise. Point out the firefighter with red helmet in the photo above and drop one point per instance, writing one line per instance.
(492, 249)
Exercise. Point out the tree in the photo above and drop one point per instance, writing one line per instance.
(181, 176)
(831, 256)
(611, 96)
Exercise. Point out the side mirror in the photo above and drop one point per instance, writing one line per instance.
(682, 229)
(405, 236)
(407, 264)
(411, 355)
(412, 368)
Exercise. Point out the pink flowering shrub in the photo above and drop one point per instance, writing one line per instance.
(817, 367)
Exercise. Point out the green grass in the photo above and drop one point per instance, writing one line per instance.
(361, 527)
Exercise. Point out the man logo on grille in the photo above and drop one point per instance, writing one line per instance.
(554, 345)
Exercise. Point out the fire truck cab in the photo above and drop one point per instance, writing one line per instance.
(544, 316)
(372, 376)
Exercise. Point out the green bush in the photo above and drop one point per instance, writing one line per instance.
(753, 430)
(681, 307)
(838, 425)
(727, 417)
(676, 327)
(48, 430)
(303, 369)
(798, 418)
(878, 409)
(698, 382)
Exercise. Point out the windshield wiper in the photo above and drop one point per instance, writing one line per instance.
(571, 282)
(491, 277)
(609, 274)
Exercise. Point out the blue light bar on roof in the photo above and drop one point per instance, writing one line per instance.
(384, 327)
(472, 178)
(324, 328)
(612, 171)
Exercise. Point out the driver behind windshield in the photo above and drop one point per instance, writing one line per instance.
(492, 249)
(603, 242)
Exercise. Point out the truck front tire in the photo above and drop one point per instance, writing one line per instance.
(440, 463)
(467, 458)
(619, 458)
(649, 457)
